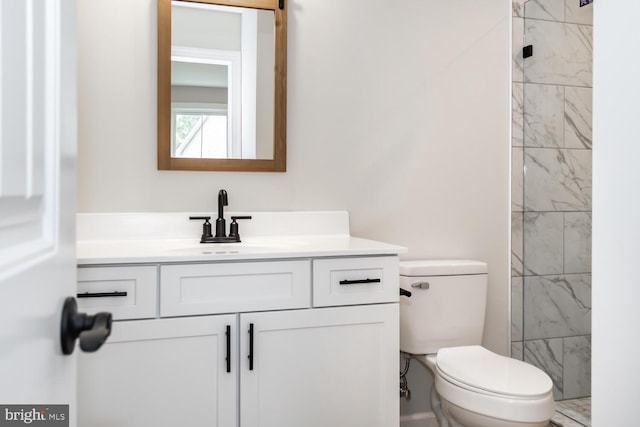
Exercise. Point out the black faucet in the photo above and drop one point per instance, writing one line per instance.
(221, 227)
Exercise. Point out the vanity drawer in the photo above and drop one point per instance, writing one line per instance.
(349, 281)
(234, 287)
(125, 292)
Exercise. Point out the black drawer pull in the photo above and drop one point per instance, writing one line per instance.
(359, 281)
(228, 358)
(250, 347)
(102, 294)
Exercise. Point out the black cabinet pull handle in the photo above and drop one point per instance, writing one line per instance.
(359, 281)
(228, 358)
(250, 347)
(102, 294)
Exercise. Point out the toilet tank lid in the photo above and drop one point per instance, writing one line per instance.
(442, 267)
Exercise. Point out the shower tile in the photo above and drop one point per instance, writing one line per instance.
(578, 410)
(516, 350)
(517, 179)
(551, 184)
(578, 117)
(579, 15)
(517, 34)
(543, 115)
(517, 7)
(517, 114)
(577, 242)
(542, 233)
(547, 355)
(517, 247)
(561, 420)
(516, 308)
(562, 53)
(557, 306)
(551, 10)
(557, 180)
(577, 367)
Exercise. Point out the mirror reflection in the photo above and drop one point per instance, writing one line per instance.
(221, 85)
(222, 61)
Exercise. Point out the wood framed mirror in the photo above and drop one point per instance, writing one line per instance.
(222, 85)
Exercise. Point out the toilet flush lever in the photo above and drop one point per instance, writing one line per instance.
(405, 293)
(420, 285)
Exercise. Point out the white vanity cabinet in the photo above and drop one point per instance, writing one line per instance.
(247, 343)
(127, 292)
(161, 373)
(321, 367)
(234, 287)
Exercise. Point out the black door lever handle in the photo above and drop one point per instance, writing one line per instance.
(93, 331)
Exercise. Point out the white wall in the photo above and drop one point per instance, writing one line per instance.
(616, 202)
(398, 111)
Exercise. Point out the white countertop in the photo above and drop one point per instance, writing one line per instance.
(154, 238)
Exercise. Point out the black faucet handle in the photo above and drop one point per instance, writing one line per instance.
(206, 227)
(233, 228)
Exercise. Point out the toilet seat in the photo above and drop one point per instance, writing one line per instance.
(492, 385)
(482, 371)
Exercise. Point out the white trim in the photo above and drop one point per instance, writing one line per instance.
(249, 50)
(205, 56)
(198, 106)
(1, 97)
(419, 419)
(29, 224)
(208, 6)
(29, 113)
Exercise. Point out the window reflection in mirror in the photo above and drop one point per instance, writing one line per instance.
(199, 110)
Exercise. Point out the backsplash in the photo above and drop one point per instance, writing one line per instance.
(174, 225)
(551, 191)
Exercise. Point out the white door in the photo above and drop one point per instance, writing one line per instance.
(37, 199)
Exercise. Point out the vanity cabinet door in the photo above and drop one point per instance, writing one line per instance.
(161, 373)
(321, 367)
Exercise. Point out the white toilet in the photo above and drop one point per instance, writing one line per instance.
(441, 325)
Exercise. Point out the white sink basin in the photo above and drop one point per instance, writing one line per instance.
(236, 248)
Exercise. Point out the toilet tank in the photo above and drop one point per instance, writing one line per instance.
(447, 305)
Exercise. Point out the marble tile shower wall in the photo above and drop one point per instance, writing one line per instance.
(551, 191)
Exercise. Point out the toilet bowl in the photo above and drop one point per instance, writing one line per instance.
(480, 388)
(473, 387)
